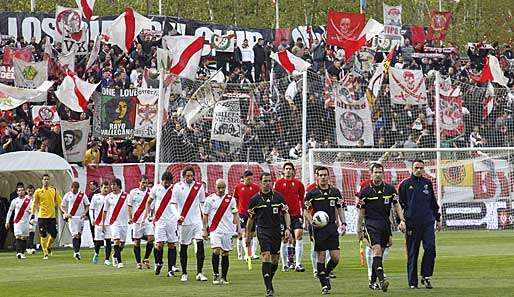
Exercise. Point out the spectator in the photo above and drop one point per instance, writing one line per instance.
(247, 59)
(259, 60)
(93, 155)
(295, 152)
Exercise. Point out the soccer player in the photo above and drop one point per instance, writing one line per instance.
(189, 196)
(138, 198)
(421, 211)
(266, 210)
(219, 218)
(46, 200)
(328, 199)
(20, 206)
(376, 200)
(243, 192)
(102, 232)
(116, 211)
(293, 192)
(165, 220)
(31, 246)
(75, 207)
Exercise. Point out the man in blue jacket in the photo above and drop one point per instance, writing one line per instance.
(421, 210)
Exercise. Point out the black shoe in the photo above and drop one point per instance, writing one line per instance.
(384, 285)
(332, 275)
(414, 287)
(325, 291)
(426, 282)
(158, 268)
(269, 293)
(171, 273)
(299, 268)
(373, 286)
(329, 286)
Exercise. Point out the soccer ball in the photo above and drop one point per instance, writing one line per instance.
(320, 219)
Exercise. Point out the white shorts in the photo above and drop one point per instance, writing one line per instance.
(140, 230)
(101, 234)
(33, 228)
(189, 232)
(119, 232)
(221, 240)
(21, 229)
(166, 232)
(76, 225)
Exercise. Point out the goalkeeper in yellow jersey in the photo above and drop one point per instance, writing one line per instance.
(46, 201)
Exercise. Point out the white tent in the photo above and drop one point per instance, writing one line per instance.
(28, 167)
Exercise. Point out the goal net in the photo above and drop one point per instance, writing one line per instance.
(474, 187)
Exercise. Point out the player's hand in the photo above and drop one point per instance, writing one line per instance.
(342, 229)
(308, 204)
(251, 212)
(360, 235)
(31, 221)
(180, 220)
(402, 226)
(439, 226)
(6, 225)
(130, 221)
(83, 216)
(205, 235)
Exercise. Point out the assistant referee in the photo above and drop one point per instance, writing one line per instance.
(46, 201)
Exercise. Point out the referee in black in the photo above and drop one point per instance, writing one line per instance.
(375, 202)
(266, 208)
(328, 199)
(421, 211)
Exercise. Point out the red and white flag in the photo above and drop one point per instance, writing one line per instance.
(343, 26)
(94, 52)
(45, 114)
(253, 109)
(488, 101)
(351, 46)
(186, 52)
(74, 92)
(493, 72)
(290, 62)
(86, 7)
(124, 29)
(407, 86)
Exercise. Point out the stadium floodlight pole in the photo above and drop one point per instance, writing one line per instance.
(438, 135)
(158, 133)
(304, 128)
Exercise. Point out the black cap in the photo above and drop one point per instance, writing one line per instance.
(247, 173)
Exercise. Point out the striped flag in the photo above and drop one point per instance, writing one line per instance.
(74, 92)
(124, 29)
(493, 72)
(488, 101)
(290, 62)
(86, 7)
(186, 52)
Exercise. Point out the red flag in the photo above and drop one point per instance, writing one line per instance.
(417, 35)
(24, 54)
(282, 34)
(342, 26)
(253, 110)
(493, 72)
(439, 23)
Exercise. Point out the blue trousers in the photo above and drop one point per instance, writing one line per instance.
(415, 235)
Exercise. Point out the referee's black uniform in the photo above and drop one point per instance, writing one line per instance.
(267, 210)
(376, 200)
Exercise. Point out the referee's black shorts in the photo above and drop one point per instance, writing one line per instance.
(326, 238)
(47, 226)
(269, 239)
(378, 232)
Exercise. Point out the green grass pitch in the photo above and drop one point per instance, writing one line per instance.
(469, 263)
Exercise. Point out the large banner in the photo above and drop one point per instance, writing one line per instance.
(116, 112)
(70, 31)
(47, 115)
(146, 113)
(393, 21)
(226, 123)
(439, 24)
(353, 122)
(74, 140)
(29, 74)
(452, 118)
(6, 73)
(407, 86)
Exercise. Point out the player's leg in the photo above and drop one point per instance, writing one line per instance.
(43, 236)
(108, 248)
(225, 264)
(24, 244)
(17, 244)
(283, 254)
(172, 257)
(429, 254)
(30, 243)
(240, 243)
(52, 231)
(255, 243)
(298, 234)
(200, 252)
(314, 254)
(216, 252)
(265, 242)
(137, 251)
(158, 250)
(320, 267)
(98, 241)
(149, 232)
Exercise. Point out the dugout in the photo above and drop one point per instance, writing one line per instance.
(28, 167)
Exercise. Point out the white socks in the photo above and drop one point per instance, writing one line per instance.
(314, 257)
(299, 251)
(385, 253)
(283, 253)
(239, 247)
(254, 246)
(369, 260)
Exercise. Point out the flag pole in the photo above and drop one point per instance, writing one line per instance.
(158, 133)
(304, 129)
(438, 135)
(277, 15)
(32, 5)
(160, 7)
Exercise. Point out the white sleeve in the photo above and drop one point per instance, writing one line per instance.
(233, 206)
(11, 209)
(85, 200)
(64, 201)
(207, 206)
(174, 194)
(130, 198)
(202, 194)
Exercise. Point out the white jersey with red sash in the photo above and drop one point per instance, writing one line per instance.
(188, 198)
(164, 210)
(21, 208)
(75, 204)
(97, 208)
(220, 211)
(116, 206)
(137, 201)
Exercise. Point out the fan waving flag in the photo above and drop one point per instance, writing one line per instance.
(186, 52)
(124, 29)
(86, 7)
(74, 92)
(290, 62)
(493, 72)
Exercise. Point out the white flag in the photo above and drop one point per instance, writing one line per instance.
(29, 95)
(291, 63)
(68, 24)
(86, 7)
(186, 52)
(353, 122)
(29, 74)
(74, 140)
(94, 52)
(375, 83)
(67, 61)
(74, 92)
(124, 29)
(226, 122)
(407, 86)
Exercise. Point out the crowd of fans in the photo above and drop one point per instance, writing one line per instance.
(274, 132)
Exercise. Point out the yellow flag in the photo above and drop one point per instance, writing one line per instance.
(457, 174)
